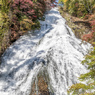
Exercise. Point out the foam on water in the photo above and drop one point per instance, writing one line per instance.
(53, 47)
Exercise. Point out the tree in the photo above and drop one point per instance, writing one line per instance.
(64, 1)
(87, 88)
(18, 17)
(79, 7)
(4, 24)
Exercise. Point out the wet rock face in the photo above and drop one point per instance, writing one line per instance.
(53, 48)
(42, 87)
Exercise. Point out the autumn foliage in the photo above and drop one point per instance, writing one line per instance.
(25, 14)
(17, 17)
(90, 36)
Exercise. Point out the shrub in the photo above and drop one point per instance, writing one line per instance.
(93, 29)
(25, 15)
(18, 17)
(80, 7)
(87, 84)
(4, 25)
(91, 36)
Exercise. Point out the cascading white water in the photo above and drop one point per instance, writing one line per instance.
(53, 47)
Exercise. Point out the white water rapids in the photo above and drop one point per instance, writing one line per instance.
(53, 49)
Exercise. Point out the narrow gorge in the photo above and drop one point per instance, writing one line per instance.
(52, 53)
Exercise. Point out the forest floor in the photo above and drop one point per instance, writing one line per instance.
(79, 26)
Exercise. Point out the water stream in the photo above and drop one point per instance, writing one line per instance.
(53, 49)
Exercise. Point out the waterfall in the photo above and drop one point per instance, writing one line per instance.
(52, 51)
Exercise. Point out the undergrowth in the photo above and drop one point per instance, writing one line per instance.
(17, 17)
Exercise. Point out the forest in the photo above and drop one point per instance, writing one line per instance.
(19, 16)
(85, 10)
